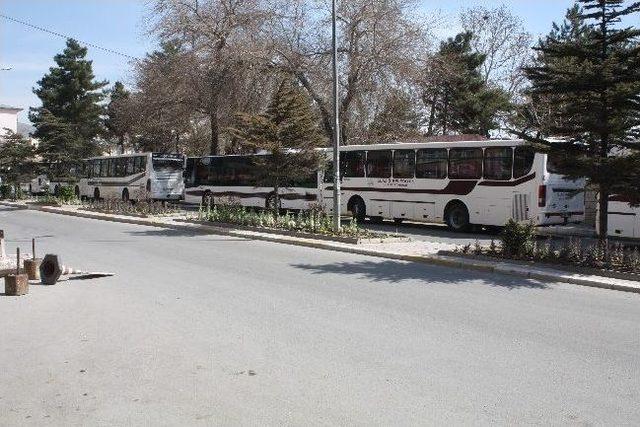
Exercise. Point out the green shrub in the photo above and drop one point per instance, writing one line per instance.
(66, 194)
(5, 191)
(314, 220)
(518, 239)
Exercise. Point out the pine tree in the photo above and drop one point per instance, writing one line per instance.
(16, 158)
(118, 127)
(459, 99)
(590, 77)
(70, 117)
(288, 131)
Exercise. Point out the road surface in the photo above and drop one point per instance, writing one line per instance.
(211, 330)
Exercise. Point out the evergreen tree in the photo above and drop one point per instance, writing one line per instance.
(16, 158)
(288, 131)
(590, 76)
(117, 124)
(398, 118)
(70, 117)
(459, 99)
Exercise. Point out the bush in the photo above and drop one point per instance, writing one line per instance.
(5, 191)
(66, 194)
(518, 239)
(314, 220)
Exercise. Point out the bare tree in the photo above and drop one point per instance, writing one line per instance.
(501, 37)
(221, 38)
(379, 42)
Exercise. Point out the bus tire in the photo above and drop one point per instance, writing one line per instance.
(96, 194)
(125, 195)
(357, 208)
(76, 191)
(207, 199)
(456, 216)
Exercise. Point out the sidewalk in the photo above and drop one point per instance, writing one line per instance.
(412, 251)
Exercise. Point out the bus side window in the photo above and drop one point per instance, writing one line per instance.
(498, 162)
(130, 166)
(379, 164)
(432, 163)
(352, 164)
(121, 164)
(522, 161)
(465, 163)
(96, 168)
(104, 168)
(112, 167)
(404, 163)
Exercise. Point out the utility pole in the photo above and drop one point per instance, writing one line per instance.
(336, 124)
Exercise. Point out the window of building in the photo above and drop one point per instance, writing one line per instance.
(522, 161)
(379, 164)
(498, 162)
(352, 164)
(431, 163)
(404, 163)
(465, 163)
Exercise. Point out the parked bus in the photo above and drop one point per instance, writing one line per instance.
(624, 219)
(457, 183)
(210, 179)
(39, 185)
(132, 177)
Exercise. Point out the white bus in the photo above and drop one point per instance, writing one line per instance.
(624, 219)
(132, 177)
(211, 179)
(457, 183)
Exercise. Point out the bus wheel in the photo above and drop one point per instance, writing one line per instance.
(76, 191)
(125, 195)
(457, 217)
(207, 199)
(96, 194)
(358, 209)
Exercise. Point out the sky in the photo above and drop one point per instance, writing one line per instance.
(121, 25)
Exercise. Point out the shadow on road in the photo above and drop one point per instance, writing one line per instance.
(185, 233)
(395, 272)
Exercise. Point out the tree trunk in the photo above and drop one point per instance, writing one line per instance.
(432, 116)
(214, 147)
(276, 199)
(603, 214)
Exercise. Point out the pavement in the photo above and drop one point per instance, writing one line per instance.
(214, 330)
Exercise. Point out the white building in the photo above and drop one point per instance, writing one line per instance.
(8, 118)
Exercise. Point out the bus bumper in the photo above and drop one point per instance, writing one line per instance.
(558, 218)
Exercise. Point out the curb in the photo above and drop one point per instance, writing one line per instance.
(439, 260)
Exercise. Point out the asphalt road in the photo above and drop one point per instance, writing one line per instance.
(210, 330)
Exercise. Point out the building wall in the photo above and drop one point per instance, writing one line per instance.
(8, 119)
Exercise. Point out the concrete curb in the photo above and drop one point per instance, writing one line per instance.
(440, 260)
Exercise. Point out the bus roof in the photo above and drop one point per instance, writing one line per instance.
(453, 144)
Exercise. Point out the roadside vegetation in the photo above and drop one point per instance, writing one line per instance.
(518, 242)
(312, 221)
